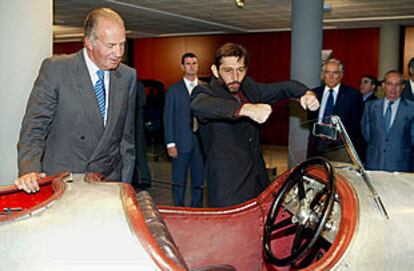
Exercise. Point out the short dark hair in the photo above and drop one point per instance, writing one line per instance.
(91, 21)
(188, 54)
(372, 78)
(231, 49)
(411, 66)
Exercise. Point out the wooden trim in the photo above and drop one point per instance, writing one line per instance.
(141, 231)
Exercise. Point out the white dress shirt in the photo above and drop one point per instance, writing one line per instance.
(394, 108)
(190, 84)
(325, 99)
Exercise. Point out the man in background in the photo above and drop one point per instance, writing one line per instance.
(230, 110)
(336, 99)
(142, 176)
(367, 87)
(180, 135)
(408, 92)
(80, 113)
(388, 128)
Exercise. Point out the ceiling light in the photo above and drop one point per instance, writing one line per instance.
(240, 3)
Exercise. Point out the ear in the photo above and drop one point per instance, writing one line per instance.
(182, 67)
(214, 70)
(88, 43)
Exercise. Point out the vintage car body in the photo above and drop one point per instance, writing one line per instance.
(82, 222)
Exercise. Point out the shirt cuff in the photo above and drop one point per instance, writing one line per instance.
(237, 112)
(170, 145)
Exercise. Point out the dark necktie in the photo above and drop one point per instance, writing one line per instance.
(387, 116)
(329, 106)
(100, 92)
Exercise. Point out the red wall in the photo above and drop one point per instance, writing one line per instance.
(159, 58)
(66, 47)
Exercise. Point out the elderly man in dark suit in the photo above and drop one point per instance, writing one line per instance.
(179, 131)
(336, 99)
(80, 113)
(230, 110)
(408, 92)
(388, 127)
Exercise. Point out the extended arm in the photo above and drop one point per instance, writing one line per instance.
(39, 114)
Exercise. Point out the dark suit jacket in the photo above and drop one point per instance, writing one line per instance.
(407, 92)
(63, 130)
(142, 173)
(235, 169)
(178, 119)
(392, 151)
(348, 107)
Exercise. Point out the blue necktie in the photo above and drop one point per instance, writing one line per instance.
(329, 106)
(387, 117)
(100, 92)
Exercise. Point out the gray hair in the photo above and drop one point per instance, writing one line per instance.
(91, 21)
(334, 61)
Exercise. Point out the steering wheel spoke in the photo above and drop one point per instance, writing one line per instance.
(309, 209)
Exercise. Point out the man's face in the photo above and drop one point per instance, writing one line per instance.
(331, 75)
(108, 46)
(393, 86)
(231, 72)
(366, 85)
(190, 66)
(411, 74)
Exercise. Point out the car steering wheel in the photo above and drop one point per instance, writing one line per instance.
(309, 216)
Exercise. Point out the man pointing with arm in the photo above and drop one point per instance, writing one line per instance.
(229, 111)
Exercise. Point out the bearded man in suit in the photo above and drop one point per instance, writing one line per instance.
(230, 110)
(80, 113)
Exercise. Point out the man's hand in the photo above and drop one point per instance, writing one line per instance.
(257, 112)
(29, 182)
(172, 152)
(309, 101)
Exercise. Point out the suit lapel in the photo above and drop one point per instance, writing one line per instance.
(399, 116)
(185, 89)
(86, 92)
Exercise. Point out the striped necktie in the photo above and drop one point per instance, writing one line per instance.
(100, 92)
(387, 117)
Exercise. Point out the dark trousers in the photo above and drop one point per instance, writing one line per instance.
(180, 165)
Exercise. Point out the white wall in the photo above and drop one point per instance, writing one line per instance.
(26, 38)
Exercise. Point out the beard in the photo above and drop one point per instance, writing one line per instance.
(232, 87)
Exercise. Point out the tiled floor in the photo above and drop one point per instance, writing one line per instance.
(160, 168)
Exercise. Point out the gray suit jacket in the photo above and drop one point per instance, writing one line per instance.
(62, 129)
(392, 151)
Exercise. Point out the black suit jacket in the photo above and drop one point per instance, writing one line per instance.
(142, 173)
(235, 169)
(348, 107)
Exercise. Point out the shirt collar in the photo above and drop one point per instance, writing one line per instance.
(92, 68)
(187, 82)
(335, 89)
